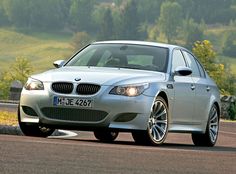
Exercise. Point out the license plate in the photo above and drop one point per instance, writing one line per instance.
(76, 102)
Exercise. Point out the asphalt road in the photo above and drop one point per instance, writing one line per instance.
(84, 154)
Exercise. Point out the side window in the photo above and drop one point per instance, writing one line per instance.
(192, 64)
(202, 71)
(178, 60)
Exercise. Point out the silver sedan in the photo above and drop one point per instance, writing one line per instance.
(146, 88)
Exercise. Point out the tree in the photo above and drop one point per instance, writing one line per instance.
(153, 33)
(229, 46)
(18, 12)
(129, 21)
(48, 14)
(81, 15)
(148, 10)
(143, 30)
(5, 83)
(43, 14)
(217, 71)
(192, 32)
(20, 70)
(106, 25)
(212, 11)
(3, 16)
(205, 53)
(188, 7)
(117, 21)
(170, 19)
(80, 39)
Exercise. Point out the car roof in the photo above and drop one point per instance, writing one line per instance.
(132, 42)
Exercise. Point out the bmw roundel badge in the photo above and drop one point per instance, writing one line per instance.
(77, 79)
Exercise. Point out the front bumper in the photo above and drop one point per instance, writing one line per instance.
(113, 105)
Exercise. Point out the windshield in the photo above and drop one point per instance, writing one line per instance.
(122, 56)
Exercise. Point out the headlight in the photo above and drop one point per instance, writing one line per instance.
(129, 90)
(33, 84)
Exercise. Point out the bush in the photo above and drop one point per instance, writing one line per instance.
(20, 70)
(80, 39)
(217, 71)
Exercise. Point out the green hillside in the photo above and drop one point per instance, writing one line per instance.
(216, 35)
(40, 48)
(44, 48)
(231, 62)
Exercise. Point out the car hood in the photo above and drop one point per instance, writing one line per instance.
(100, 75)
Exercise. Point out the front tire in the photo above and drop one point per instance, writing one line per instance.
(209, 138)
(106, 135)
(34, 129)
(157, 128)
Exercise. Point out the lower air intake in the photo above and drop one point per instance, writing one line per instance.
(72, 114)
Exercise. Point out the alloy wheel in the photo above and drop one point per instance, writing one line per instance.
(213, 124)
(158, 121)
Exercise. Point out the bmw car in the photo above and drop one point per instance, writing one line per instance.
(145, 88)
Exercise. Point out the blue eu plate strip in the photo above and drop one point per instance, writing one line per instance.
(55, 101)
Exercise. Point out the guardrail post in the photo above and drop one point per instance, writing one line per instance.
(15, 90)
(226, 101)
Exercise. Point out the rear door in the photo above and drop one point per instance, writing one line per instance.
(202, 89)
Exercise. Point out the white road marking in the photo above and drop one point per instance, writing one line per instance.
(68, 134)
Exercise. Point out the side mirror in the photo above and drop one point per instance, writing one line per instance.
(59, 63)
(183, 71)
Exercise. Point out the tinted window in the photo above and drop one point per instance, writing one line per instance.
(178, 60)
(122, 56)
(192, 64)
(202, 71)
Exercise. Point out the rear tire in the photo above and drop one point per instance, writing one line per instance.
(34, 129)
(157, 128)
(209, 138)
(106, 135)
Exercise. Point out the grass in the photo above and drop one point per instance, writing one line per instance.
(227, 121)
(42, 49)
(216, 35)
(8, 118)
(231, 62)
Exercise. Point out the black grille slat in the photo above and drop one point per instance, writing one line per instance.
(73, 114)
(62, 87)
(87, 89)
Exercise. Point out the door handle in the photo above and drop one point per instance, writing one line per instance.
(208, 88)
(193, 87)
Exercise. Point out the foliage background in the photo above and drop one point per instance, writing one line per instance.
(40, 32)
